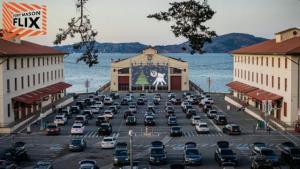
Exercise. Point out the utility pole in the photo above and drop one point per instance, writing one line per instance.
(209, 83)
(87, 85)
(130, 133)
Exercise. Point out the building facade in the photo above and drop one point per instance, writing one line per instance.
(268, 72)
(31, 77)
(149, 71)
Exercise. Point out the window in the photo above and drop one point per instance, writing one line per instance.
(33, 62)
(39, 61)
(278, 83)
(256, 60)
(54, 60)
(241, 74)
(43, 61)
(22, 82)
(47, 60)
(123, 71)
(284, 109)
(272, 81)
(58, 60)
(278, 62)
(285, 62)
(262, 61)
(47, 76)
(248, 75)
(51, 60)
(8, 110)
(248, 59)
(51, 75)
(58, 71)
(7, 64)
(267, 80)
(245, 74)
(28, 81)
(267, 61)
(43, 77)
(252, 76)
(55, 74)
(15, 63)
(285, 84)
(238, 72)
(22, 63)
(62, 73)
(33, 80)
(261, 78)
(272, 62)
(252, 60)
(16, 84)
(8, 85)
(234, 72)
(256, 77)
(39, 78)
(28, 62)
(175, 71)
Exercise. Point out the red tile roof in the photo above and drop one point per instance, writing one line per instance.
(241, 87)
(270, 47)
(262, 95)
(26, 48)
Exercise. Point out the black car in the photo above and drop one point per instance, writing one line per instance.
(127, 113)
(114, 95)
(105, 129)
(101, 119)
(17, 153)
(120, 157)
(192, 157)
(121, 145)
(149, 121)
(75, 109)
(156, 102)
(117, 105)
(88, 114)
(80, 104)
(131, 120)
(207, 107)
(88, 101)
(124, 102)
(175, 131)
(190, 113)
(157, 155)
(224, 156)
(290, 153)
(141, 101)
(260, 162)
(114, 109)
(157, 144)
(232, 129)
(169, 111)
(269, 154)
(172, 121)
(77, 144)
(43, 165)
(220, 119)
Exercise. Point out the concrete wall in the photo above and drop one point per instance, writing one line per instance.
(143, 58)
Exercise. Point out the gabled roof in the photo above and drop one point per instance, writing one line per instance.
(287, 30)
(270, 47)
(25, 48)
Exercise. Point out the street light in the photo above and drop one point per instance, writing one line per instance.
(130, 133)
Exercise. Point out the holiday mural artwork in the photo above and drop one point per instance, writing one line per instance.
(153, 75)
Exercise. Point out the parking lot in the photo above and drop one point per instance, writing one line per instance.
(41, 147)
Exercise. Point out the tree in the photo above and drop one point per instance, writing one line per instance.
(189, 17)
(142, 79)
(82, 26)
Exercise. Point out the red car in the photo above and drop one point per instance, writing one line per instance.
(52, 129)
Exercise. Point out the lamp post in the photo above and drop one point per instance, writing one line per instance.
(130, 133)
(41, 114)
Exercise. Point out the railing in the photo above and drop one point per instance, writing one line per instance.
(195, 87)
(104, 87)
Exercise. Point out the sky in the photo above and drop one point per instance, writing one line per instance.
(126, 20)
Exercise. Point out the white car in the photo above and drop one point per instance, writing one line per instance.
(77, 128)
(95, 109)
(184, 103)
(132, 108)
(108, 114)
(99, 104)
(209, 100)
(60, 120)
(157, 98)
(196, 120)
(202, 127)
(108, 142)
(108, 100)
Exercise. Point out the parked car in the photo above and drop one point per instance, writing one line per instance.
(108, 142)
(88, 164)
(151, 106)
(39, 165)
(170, 113)
(290, 153)
(60, 120)
(202, 128)
(257, 146)
(224, 156)
(81, 119)
(80, 104)
(121, 157)
(157, 155)
(108, 101)
(77, 144)
(189, 145)
(66, 112)
(16, 153)
(95, 109)
(175, 131)
(52, 129)
(157, 98)
(192, 156)
(117, 105)
(207, 107)
(260, 162)
(77, 128)
(172, 121)
(105, 129)
(157, 144)
(75, 109)
(212, 113)
(88, 101)
(141, 101)
(99, 104)
(101, 119)
(196, 120)
(124, 101)
(190, 112)
(127, 113)
(220, 119)
(187, 107)
(88, 114)
(114, 109)
(108, 113)
(132, 108)
(269, 154)
(232, 129)
(183, 104)
(114, 95)
(171, 95)
(131, 120)
(121, 145)
(149, 121)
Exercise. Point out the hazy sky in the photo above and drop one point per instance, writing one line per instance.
(126, 20)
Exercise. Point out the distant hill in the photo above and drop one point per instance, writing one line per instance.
(221, 44)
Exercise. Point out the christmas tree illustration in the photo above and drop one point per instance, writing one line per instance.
(142, 79)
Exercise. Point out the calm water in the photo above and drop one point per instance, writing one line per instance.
(216, 66)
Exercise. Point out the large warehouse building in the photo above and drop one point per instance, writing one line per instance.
(149, 71)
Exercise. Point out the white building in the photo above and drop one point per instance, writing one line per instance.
(270, 71)
(31, 76)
